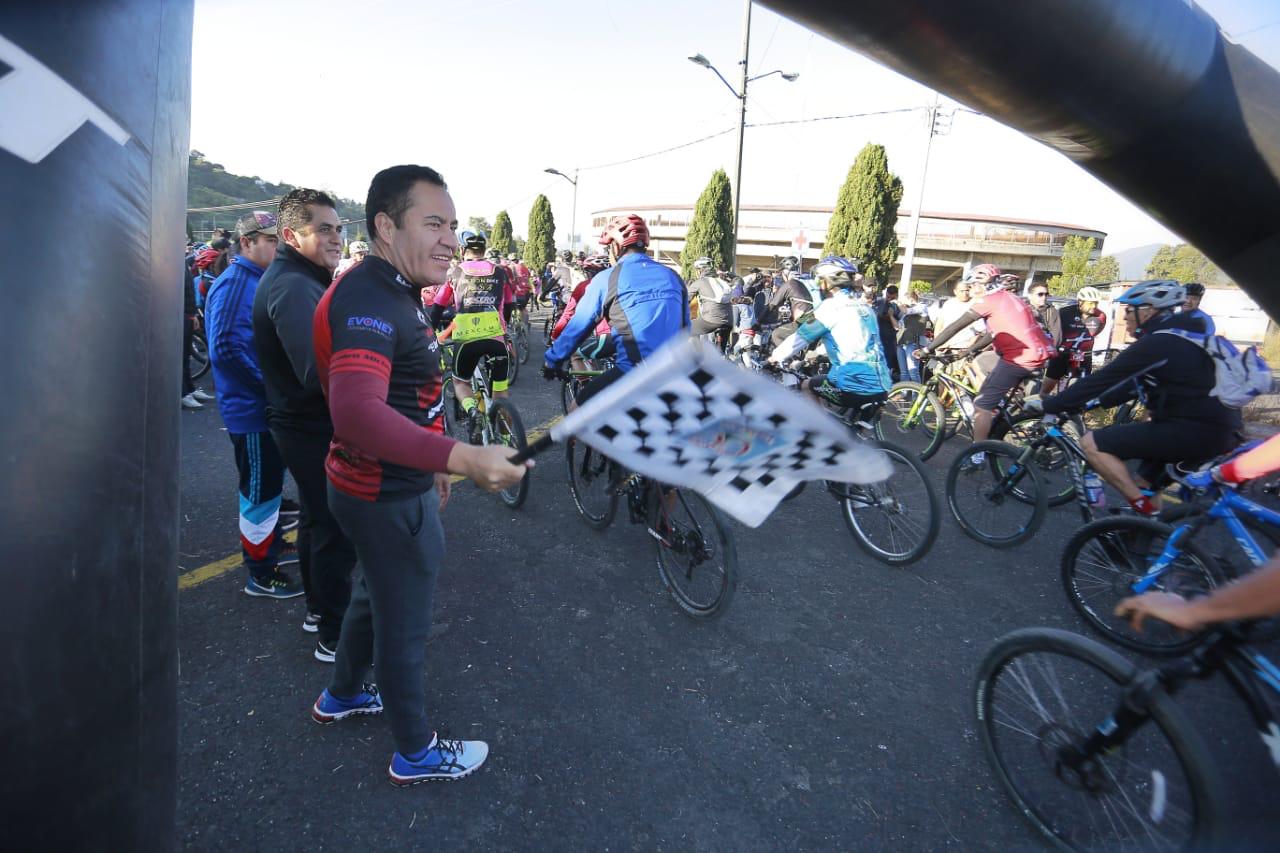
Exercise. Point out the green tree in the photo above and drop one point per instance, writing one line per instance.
(541, 247)
(862, 224)
(1075, 267)
(921, 287)
(500, 239)
(710, 233)
(1185, 263)
(1107, 269)
(479, 223)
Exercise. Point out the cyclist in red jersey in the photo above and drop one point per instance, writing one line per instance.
(1019, 339)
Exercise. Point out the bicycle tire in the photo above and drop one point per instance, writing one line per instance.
(915, 419)
(900, 508)
(455, 421)
(1005, 479)
(589, 467)
(1037, 692)
(513, 360)
(508, 430)
(678, 532)
(522, 340)
(200, 363)
(1051, 459)
(1103, 560)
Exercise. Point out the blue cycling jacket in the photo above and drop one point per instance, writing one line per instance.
(645, 303)
(228, 317)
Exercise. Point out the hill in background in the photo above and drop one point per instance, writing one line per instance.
(210, 185)
(1133, 262)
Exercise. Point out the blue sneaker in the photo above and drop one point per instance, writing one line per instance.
(329, 708)
(275, 585)
(444, 760)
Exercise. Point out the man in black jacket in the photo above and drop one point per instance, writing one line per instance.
(1187, 423)
(297, 413)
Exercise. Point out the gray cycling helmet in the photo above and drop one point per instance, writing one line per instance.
(1161, 294)
(703, 263)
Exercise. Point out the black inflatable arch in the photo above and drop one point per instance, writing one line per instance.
(1147, 95)
(95, 104)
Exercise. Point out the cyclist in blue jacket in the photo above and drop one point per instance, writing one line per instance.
(645, 303)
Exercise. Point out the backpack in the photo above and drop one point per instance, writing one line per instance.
(1238, 376)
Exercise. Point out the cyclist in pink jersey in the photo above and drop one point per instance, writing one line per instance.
(1018, 338)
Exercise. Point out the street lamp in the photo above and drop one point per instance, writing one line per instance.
(789, 76)
(573, 217)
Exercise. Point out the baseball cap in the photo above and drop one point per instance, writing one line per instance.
(258, 221)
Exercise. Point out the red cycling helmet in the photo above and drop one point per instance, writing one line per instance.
(205, 258)
(625, 231)
(591, 266)
(983, 273)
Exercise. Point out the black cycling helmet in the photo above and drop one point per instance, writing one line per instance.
(473, 241)
(566, 256)
(1194, 288)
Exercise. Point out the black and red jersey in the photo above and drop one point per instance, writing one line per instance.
(371, 321)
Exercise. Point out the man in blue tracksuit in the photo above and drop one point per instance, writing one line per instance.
(645, 303)
(242, 401)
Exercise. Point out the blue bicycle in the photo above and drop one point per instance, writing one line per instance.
(1121, 556)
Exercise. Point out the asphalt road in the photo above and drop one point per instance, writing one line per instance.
(829, 708)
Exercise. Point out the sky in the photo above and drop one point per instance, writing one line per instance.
(493, 92)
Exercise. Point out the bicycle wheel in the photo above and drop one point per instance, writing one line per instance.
(509, 431)
(1039, 695)
(455, 419)
(895, 521)
(1051, 458)
(913, 419)
(1102, 562)
(696, 555)
(513, 360)
(570, 386)
(522, 340)
(998, 502)
(199, 355)
(590, 475)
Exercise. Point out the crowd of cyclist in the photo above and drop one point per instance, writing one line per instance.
(348, 382)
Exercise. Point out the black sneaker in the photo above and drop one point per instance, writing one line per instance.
(324, 654)
(289, 514)
(311, 623)
(275, 585)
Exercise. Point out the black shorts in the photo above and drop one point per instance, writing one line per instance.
(1161, 444)
(599, 383)
(468, 354)
(522, 302)
(1058, 366)
(601, 346)
(845, 399)
(1002, 379)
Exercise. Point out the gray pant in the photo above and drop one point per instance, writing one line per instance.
(400, 545)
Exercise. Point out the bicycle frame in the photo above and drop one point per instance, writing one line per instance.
(1224, 507)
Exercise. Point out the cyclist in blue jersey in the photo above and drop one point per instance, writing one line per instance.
(645, 303)
(849, 331)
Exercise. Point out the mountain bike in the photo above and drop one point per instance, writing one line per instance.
(695, 551)
(921, 416)
(1097, 754)
(573, 380)
(895, 521)
(520, 334)
(492, 421)
(1122, 556)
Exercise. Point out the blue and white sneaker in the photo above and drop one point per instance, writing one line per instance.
(275, 585)
(443, 760)
(329, 708)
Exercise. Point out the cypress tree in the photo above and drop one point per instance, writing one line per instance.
(711, 231)
(541, 247)
(501, 237)
(862, 225)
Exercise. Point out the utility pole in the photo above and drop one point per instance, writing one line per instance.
(938, 123)
(742, 129)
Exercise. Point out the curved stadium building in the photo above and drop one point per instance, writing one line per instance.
(947, 244)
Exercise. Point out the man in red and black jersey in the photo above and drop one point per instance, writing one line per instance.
(379, 365)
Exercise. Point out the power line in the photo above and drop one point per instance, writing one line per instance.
(656, 153)
(241, 206)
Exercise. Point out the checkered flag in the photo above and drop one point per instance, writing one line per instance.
(689, 418)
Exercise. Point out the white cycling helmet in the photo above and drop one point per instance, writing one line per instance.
(703, 263)
(1089, 294)
(1160, 293)
(358, 246)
